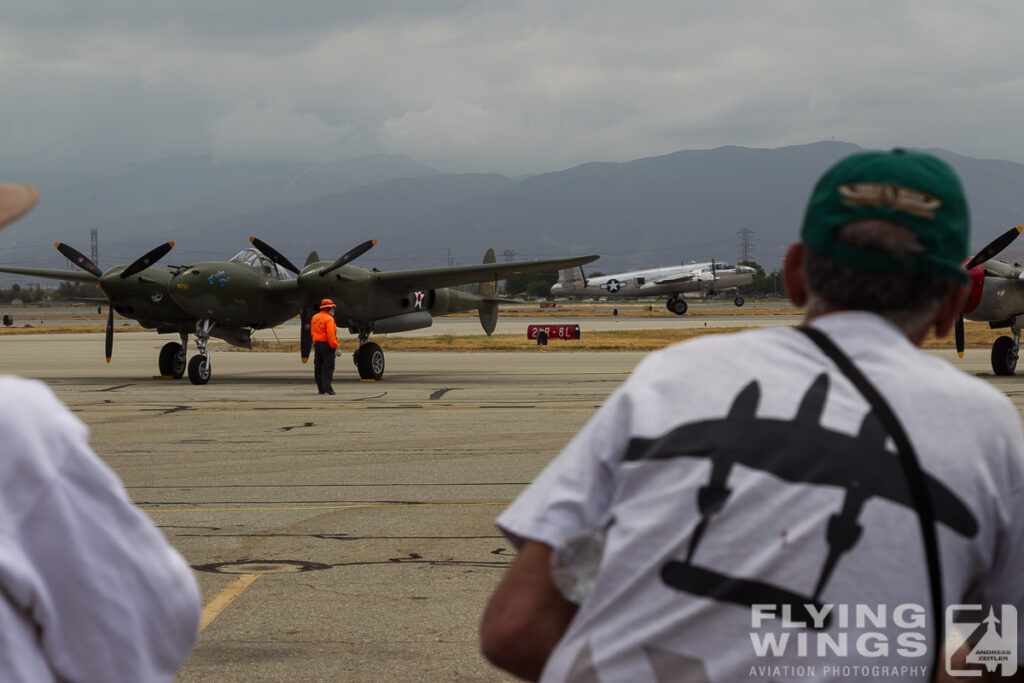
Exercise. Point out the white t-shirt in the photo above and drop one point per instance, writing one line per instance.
(764, 433)
(89, 588)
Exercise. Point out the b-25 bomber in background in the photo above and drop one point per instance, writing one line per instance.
(254, 290)
(706, 278)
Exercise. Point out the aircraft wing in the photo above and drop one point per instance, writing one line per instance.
(432, 278)
(675, 279)
(52, 273)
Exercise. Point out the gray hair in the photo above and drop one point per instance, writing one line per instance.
(907, 301)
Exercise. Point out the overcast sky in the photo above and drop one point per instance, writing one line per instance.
(505, 85)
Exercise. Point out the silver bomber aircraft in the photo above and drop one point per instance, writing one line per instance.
(706, 279)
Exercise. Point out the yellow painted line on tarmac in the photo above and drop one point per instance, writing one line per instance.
(221, 600)
(322, 507)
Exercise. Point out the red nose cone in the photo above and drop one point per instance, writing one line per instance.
(977, 274)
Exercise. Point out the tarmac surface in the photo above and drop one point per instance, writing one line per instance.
(336, 538)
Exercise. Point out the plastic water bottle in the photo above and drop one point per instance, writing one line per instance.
(574, 564)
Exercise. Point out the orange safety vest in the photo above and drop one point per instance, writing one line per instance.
(324, 329)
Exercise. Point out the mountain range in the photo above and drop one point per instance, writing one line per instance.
(687, 205)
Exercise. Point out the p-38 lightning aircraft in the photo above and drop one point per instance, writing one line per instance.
(707, 278)
(997, 297)
(231, 299)
(371, 301)
(146, 294)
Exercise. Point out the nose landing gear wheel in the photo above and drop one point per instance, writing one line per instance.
(369, 359)
(738, 301)
(199, 370)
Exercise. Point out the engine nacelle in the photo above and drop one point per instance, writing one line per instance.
(1000, 299)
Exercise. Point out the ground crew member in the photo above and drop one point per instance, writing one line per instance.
(325, 346)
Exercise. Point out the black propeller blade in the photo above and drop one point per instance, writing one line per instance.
(994, 247)
(351, 254)
(273, 254)
(958, 334)
(148, 259)
(109, 341)
(79, 259)
(305, 331)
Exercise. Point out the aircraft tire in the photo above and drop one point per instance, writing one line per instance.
(199, 369)
(370, 361)
(738, 301)
(171, 361)
(1004, 357)
(677, 306)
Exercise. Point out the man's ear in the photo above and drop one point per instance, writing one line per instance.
(950, 310)
(793, 274)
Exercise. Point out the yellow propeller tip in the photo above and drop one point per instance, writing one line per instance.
(305, 360)
(1019, 228)
(57, 244)
(960, 353)
(108, 360)
(251, 238)
(171, 243)
(374, 242)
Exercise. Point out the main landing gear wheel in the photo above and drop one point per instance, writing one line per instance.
(199, 369)
(172, 360)
(738, 301)
(370, 360)
(1004, 356)
(677, 306)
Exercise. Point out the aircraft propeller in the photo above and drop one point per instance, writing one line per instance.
(136, 266)
(306, 316)
(989, 251)
(351, 254)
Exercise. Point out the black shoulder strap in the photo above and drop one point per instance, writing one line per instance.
(916, 480)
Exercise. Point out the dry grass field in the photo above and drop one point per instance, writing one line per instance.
(977, 335)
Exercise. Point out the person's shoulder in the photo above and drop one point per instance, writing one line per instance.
(20, 396)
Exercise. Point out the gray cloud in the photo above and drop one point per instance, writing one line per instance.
(508, 86)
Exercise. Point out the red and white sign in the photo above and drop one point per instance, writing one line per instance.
(564, 331)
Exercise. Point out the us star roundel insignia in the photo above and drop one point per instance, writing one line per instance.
(612, 285)
(418, 306)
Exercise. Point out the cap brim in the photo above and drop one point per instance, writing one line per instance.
(15, 201)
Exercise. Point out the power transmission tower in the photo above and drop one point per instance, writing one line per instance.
(451, 261)
(509, 255)
(94, 236)
(746, 244)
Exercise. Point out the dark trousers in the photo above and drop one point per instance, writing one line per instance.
(323, 365)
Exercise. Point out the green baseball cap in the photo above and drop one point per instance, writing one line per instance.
(913, 189)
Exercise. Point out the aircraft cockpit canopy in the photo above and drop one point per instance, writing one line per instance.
(261, 265)
(723, 266)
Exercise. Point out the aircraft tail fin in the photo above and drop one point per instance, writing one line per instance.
(572, 279)
(488, 289)
(312, 258)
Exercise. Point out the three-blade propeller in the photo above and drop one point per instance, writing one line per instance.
(989, 251)
(136, 266)
(308, 308)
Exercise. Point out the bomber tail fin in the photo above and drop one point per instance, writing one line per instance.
(572, 279)
(312, 258)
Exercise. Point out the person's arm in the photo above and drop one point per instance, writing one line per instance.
(526, 616)
(111, 599)
(332, 332)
